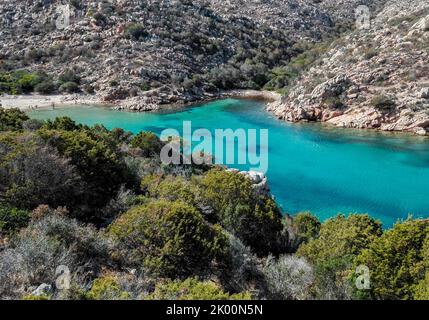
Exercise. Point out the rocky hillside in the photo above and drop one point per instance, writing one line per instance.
(148, 53)
(369, 78)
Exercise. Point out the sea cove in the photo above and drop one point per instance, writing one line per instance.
(311, 167)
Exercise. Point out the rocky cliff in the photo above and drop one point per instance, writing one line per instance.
(376, 77)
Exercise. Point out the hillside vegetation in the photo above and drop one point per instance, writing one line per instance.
(100, 206)
(143, 54)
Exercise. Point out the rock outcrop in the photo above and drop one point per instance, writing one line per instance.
(259, 181)
(376, 78)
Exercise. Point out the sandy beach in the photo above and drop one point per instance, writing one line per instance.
(30, 102)
(36, 101)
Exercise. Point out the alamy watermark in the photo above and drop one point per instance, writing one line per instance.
(223, 147)
(363, 281)
(363, 17)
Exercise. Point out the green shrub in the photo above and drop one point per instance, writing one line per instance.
(69, 87)
(398, 260)
(32, 297)
(12, 219)
(12, 119)
(382, 102)
(169, 239)
(256, 220)
(20, 81)
(106, 288)
(171, 188)
(45, 87)
(97, 160)
(62, 123)
(193, 289)
(135, 32)
(333, 253)
(69, 76)
(306, 226)
(148, 142)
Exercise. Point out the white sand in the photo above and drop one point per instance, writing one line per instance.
(36, 101)
(28, 102)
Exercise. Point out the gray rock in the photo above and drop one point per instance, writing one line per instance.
(42, 290)
(424, 93)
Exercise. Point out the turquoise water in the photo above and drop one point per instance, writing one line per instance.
(311, 167)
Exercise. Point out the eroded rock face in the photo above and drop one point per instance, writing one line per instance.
(375, 78)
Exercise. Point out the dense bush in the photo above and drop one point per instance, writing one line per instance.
(45, 87)
(171, 188)
(12, 219)
(106, 288)
(33, 173)
(69, 87)
(193, 289)
(398, 261)
(148, 142)
(305, 226)
(334, 251)
(19, 81)
(135, 31)
(254, 219)
(169, 239)
(12, 119)
(98, 162)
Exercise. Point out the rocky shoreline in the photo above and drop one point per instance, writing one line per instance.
(381, 84)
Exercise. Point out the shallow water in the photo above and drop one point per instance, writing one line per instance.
(311, 167)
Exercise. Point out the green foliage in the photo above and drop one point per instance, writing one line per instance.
(169, 238)
(148, 142)
(69, 76)
(334, 251)
(341, 236)
(33, 172)
(398, 260)
(96, 157)
(135, 32)
(32, 297)
(19, 81)
(171, 188)
(45, 87)
(256, 220)
(307, 55)
(306, 226)
(106, 288)
(422, 289)
(12, 219)
(193, 289)
(69, 87)
(62, 123)
(382, 102)
(12, 119)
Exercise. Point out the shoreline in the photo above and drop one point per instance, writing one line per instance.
(42, 102)
(34, 102)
